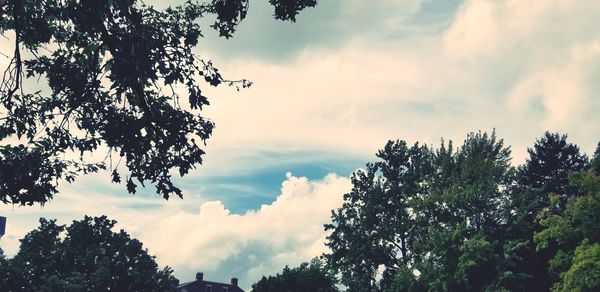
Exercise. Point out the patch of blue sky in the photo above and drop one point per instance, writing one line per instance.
(250, 186)
(244, 182)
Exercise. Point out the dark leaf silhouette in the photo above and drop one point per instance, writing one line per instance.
(85, 256)
(114, 72)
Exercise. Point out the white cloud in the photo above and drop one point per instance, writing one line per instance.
(547, 46)
(520, 67)
(291, 229)
(564, 88)
(485, 28)
(211, 239)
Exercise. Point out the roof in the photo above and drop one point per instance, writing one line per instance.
(200, 286)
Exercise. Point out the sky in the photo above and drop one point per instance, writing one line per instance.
(331, 89)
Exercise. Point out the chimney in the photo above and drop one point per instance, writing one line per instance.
(234, 282)
(199, 276)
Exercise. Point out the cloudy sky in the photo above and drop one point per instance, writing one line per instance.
(329, 91)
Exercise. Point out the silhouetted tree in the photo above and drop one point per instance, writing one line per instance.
(375, 226)
(433, 220)
(596, 160)
(307, 277)
(551, 160)
(116, 76)
(546, 172)
(85, 256)
(464, 215)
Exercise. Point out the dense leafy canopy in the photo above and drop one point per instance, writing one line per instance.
(85, 256)
(307, 277)
(550, 162)
(596, 160)
(544, 175)
(575, 234)
(375, 225)
(116, 73)
(463, 219)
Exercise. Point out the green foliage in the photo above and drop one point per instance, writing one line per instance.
(432, 213)
(542, 186)
(463, 211)
(584, 273)
(581, 218)
(547, 169)
(477, 262)
(307, 277)
(404, 280)
(596, 160)
(85, 256)
(376, 226)
(463, 219)
(114, 72)
(575, 234)
(483, 173)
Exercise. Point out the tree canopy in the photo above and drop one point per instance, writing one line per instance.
(550, 162)
(307, 277)
(85, 256)
(596, 160)
(463, 219)
(575, 234)
(121, 80)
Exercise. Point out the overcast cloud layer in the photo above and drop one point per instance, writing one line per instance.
(328, 92)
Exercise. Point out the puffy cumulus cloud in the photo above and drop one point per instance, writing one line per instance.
(260, 242)
(209, 237)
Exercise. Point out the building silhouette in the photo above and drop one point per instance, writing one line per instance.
(200, 285)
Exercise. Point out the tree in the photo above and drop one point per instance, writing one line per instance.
(307, 277)
(375, 225)
(429, 219)
(463, 217)
(576, 236)
(85, 256)
(544, 174)
(584, 273)
(482, 175)
(114, 72)
(551, 160)
(596, 160)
